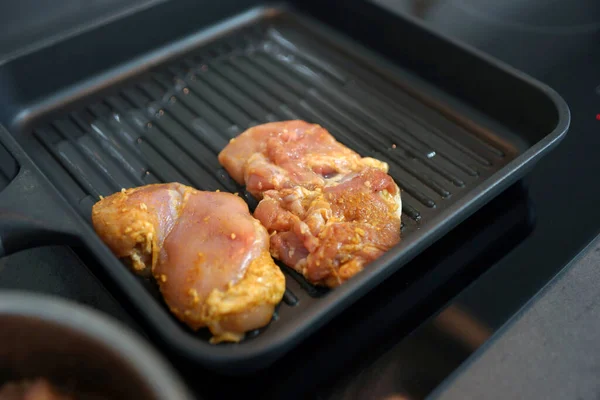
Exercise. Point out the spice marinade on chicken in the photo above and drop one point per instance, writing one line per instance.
(328, 210)
(208, 254)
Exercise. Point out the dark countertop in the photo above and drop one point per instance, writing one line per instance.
(549, 350)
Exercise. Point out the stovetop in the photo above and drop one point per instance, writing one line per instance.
(385, 346)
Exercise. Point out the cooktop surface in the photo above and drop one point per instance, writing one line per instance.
(404, 338)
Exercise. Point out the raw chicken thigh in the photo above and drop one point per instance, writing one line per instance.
(328, 210)
(209, 256)
(329, 234)
(283, 155)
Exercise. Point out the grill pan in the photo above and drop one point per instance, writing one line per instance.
(456, 127)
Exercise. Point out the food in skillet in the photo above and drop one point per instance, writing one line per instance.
(209, 256)
(329, 234)
(38, 389)
(329, 212)
(283, 155)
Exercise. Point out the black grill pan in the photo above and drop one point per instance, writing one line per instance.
(455, 126)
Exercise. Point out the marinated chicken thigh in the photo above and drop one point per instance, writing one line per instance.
(283, 155)
(329, 234)
(328, 210)
(209, 256)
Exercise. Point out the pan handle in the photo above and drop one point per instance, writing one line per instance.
(32, 212)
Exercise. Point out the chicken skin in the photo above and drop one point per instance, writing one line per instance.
(328, 210)
(209, 256)
(329, 234)
(282, 155)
